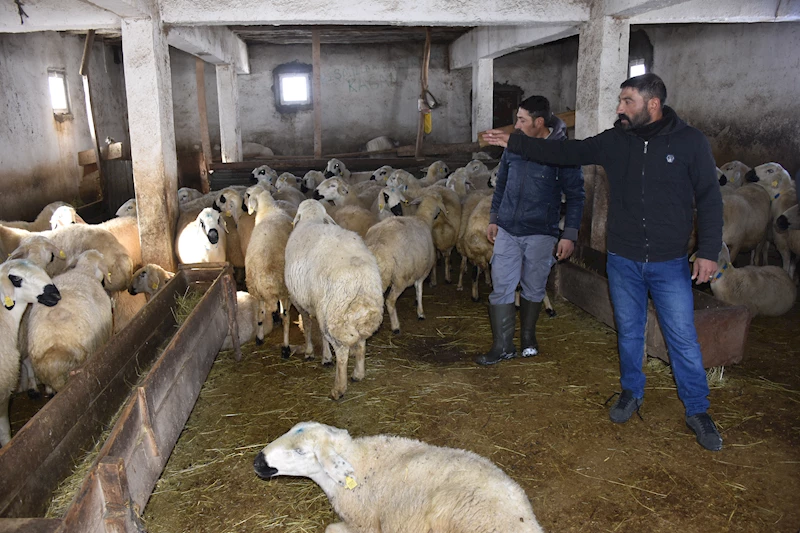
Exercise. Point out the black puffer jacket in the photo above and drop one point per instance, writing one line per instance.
(653, 186)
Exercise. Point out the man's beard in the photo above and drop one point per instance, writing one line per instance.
(637, 121)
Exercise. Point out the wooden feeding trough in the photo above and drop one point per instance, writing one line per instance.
(721, 328)
(122, 477)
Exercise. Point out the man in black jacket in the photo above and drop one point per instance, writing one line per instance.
(657, 167)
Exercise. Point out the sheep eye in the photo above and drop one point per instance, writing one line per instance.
(299, 451)
(15, 280)
(770, 170)
(52, 257)
(202, 224)
(262, 172)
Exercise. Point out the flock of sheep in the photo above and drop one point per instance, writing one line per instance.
(338, 246)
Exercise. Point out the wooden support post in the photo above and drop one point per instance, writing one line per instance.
(426, 59)
(315, 66)
(205, 140)
(87, 91)
(147, 421)
(233, 326)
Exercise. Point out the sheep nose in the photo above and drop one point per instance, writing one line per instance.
(263, 470)
(397, 210)
(328, 174)
(751, 176)
(303, 188)
(318, 196)
(50, 296)
(782, 223)
(132, 291)
(723, 180)
(213, 236)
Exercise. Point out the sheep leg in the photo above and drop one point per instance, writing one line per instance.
(340, 382)
(327, 356)
(447, 254)
(475, 277)
(548, 306)
(460, 286)
(487, 275)
(433, 270)
(286, 351)
(307, 325)
(262, 312)
(5, 425)
(391, 308)
(359, 352)
(27, 380)
(418, 286)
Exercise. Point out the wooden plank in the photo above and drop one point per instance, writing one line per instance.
(118, 514)
(439, 149)
(319, 164)
(87, 157)
(87, 53)
(41, 454)
(29, 525)
(426, 59)
(317, 96)
(205, 139)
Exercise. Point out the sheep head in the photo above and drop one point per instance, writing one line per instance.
(128, 209)
(311, 211)
(23, 281)
(309, 449)
(264, 172)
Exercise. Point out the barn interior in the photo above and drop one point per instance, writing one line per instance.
(107, 100)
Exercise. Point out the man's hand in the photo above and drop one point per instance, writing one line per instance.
(703, 270)
(496, 137)
(564, 249)
(491, 232)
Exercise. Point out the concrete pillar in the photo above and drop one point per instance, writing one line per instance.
(230, 132)
(602, 66)
(482, 96)
(148, 84)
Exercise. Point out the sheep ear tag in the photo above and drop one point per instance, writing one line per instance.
(336, 467)
(154, 285)
(350, 483)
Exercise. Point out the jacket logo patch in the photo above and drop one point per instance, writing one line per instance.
(670, 158)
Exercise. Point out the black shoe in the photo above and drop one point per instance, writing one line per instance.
(707, 435)
(503, 318)
(528, 315)
(624, 407)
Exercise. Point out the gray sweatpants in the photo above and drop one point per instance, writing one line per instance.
(522, 260)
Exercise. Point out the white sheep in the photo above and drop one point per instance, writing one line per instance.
(436, 171)
(772, 176)
(788, 220)
(733, 173)
(187, 194)
(337, 169)
(41, 251)
(382, 174)
(745, 218)
(252, 150)
(65, 216)
(42, 221)
(404, 250)
(61, 338)
(337, 192)
(249, 317)
(467, 207)
(355, 218)
(398, 485)
(21, 283)
(264, 172)
(475, 246)
(445, 227)
(332, 276)
(128, 209)
(478, 174)
(288, 190)
(389, 203)
(203, 241)
(765, 290)
(310, 180)
(124, 307)
(265, 260)
(149, 279)
(287, 179)
(125, 229)
(459, 182)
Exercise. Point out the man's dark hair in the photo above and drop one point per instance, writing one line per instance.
(649, 86)
(537, 106)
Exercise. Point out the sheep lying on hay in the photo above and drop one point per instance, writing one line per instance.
(387, 483)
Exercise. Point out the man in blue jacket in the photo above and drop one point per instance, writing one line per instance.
(657, 167)
(523, 225)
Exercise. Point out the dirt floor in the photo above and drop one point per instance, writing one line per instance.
(542, 420)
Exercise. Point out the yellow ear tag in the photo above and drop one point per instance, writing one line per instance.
(350, 483)
(227, 213)
(775, 183)
(380, 206)
(154, 285)
(9, 303)
(61, 254)
(109, 277)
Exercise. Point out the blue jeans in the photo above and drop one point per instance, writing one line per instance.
(670, 287)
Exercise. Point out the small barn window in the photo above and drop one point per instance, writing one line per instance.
(59, 97)
(292, 87)
(636, 68)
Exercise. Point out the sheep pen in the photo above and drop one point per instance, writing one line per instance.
(541, 420)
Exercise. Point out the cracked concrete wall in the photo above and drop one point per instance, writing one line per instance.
(737, 83)
(550, 70)
(367, 91)
(184, 98)
(38, 154)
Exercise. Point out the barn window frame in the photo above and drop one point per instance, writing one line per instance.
(59, 93)
(292, 71)
(636, 67)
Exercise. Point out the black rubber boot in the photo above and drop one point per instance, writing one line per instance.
(528, 315)
(503, 318)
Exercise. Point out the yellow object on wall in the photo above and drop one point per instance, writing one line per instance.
(427, 123)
